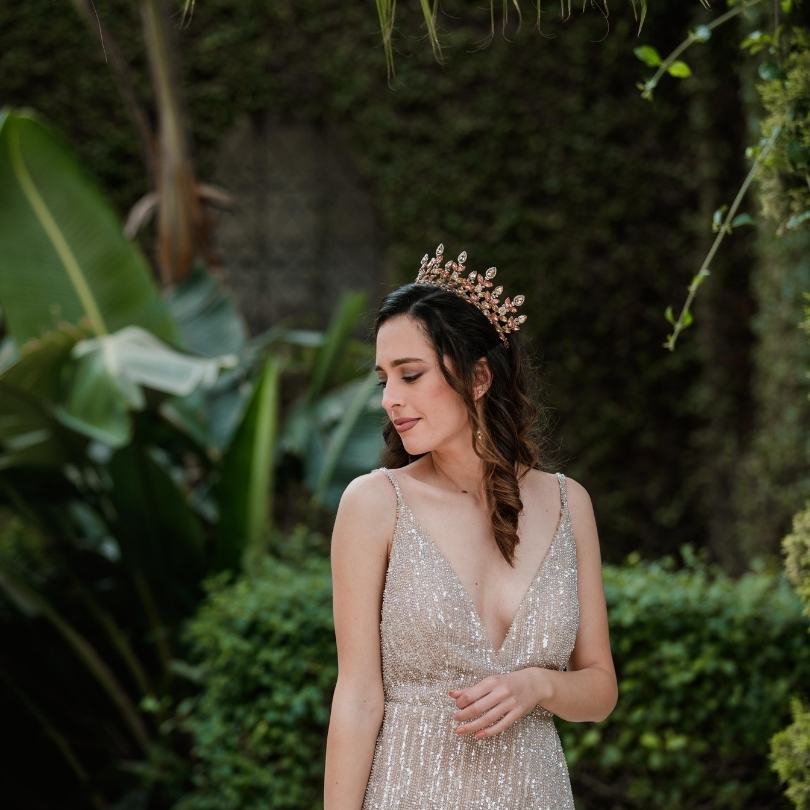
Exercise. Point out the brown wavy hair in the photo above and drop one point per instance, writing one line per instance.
(514, 426)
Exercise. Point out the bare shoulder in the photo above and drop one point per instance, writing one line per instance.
(366, 512)
(583, 519)
(372, 491)
(577, 494)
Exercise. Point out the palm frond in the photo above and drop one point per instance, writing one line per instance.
(430, 21)
(385, 12)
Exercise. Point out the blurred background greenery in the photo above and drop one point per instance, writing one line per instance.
(201, 206)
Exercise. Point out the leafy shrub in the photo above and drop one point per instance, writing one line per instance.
(790, 748)
(785, 194)
(706, 668)
(265, 652)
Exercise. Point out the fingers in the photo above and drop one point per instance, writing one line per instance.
(480, 706)
(487, 708)
(501, 725)
(464, 697)
(502, 714)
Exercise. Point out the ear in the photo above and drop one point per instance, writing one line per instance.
(483, 377)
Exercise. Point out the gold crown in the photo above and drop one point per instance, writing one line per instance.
(473, 288)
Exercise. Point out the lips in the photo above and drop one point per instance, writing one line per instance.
(405, 425)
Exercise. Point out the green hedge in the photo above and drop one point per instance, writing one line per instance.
(706, 668)
(790, 748)
(266, 651)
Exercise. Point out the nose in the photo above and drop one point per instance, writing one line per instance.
(391, 397)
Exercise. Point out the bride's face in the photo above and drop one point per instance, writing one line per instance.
(415, 388)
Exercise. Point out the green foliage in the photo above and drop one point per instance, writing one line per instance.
(679, 69)
(109, 449)
(53, 272)
(790, 750)
(648, 54)
(706, 667)
(785, 176)
(796, 546)
(264, 649)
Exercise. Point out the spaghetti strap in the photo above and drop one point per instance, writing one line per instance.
(563, 496)
(393, 479)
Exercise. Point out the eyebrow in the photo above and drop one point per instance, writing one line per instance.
(401, 361)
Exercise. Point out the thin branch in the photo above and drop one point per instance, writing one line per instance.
(685, 317)
(652, 83)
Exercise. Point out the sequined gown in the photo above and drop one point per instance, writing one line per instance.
(433, 640)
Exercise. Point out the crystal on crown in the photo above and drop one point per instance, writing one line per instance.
(474, 289)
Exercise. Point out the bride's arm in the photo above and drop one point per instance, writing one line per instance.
(359, 555)
(588, 691)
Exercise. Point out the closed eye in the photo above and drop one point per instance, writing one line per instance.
(407, 379)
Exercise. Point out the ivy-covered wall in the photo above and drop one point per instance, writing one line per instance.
(535, 154)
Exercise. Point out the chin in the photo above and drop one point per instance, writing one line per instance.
(413, 448)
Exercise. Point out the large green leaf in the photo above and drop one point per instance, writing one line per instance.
(335, 427)
(209, 324)
(246, 483)
(63, 256)
(161, 537)
(348, 312)
(206, 315)
(346, 427)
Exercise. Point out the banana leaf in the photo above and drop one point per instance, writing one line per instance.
(246, 476)
(64, 256)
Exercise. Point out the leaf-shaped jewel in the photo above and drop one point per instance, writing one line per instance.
(462, 257)
(425, 259)
(518, 300)
(497, 291)
(440, 250)
(506, 302)
(472, 276)
(520, 319)
(491, 272)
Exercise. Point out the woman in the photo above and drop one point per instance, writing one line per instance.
(468, 599)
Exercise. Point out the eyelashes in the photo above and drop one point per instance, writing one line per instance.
(407, 379)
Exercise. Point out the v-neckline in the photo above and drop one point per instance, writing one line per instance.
(496, 653)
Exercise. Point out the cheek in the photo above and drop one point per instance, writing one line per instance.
(442, 404)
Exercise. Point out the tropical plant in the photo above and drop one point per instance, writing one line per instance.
(139, 435)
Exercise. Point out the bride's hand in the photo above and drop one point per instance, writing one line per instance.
(503, 698)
